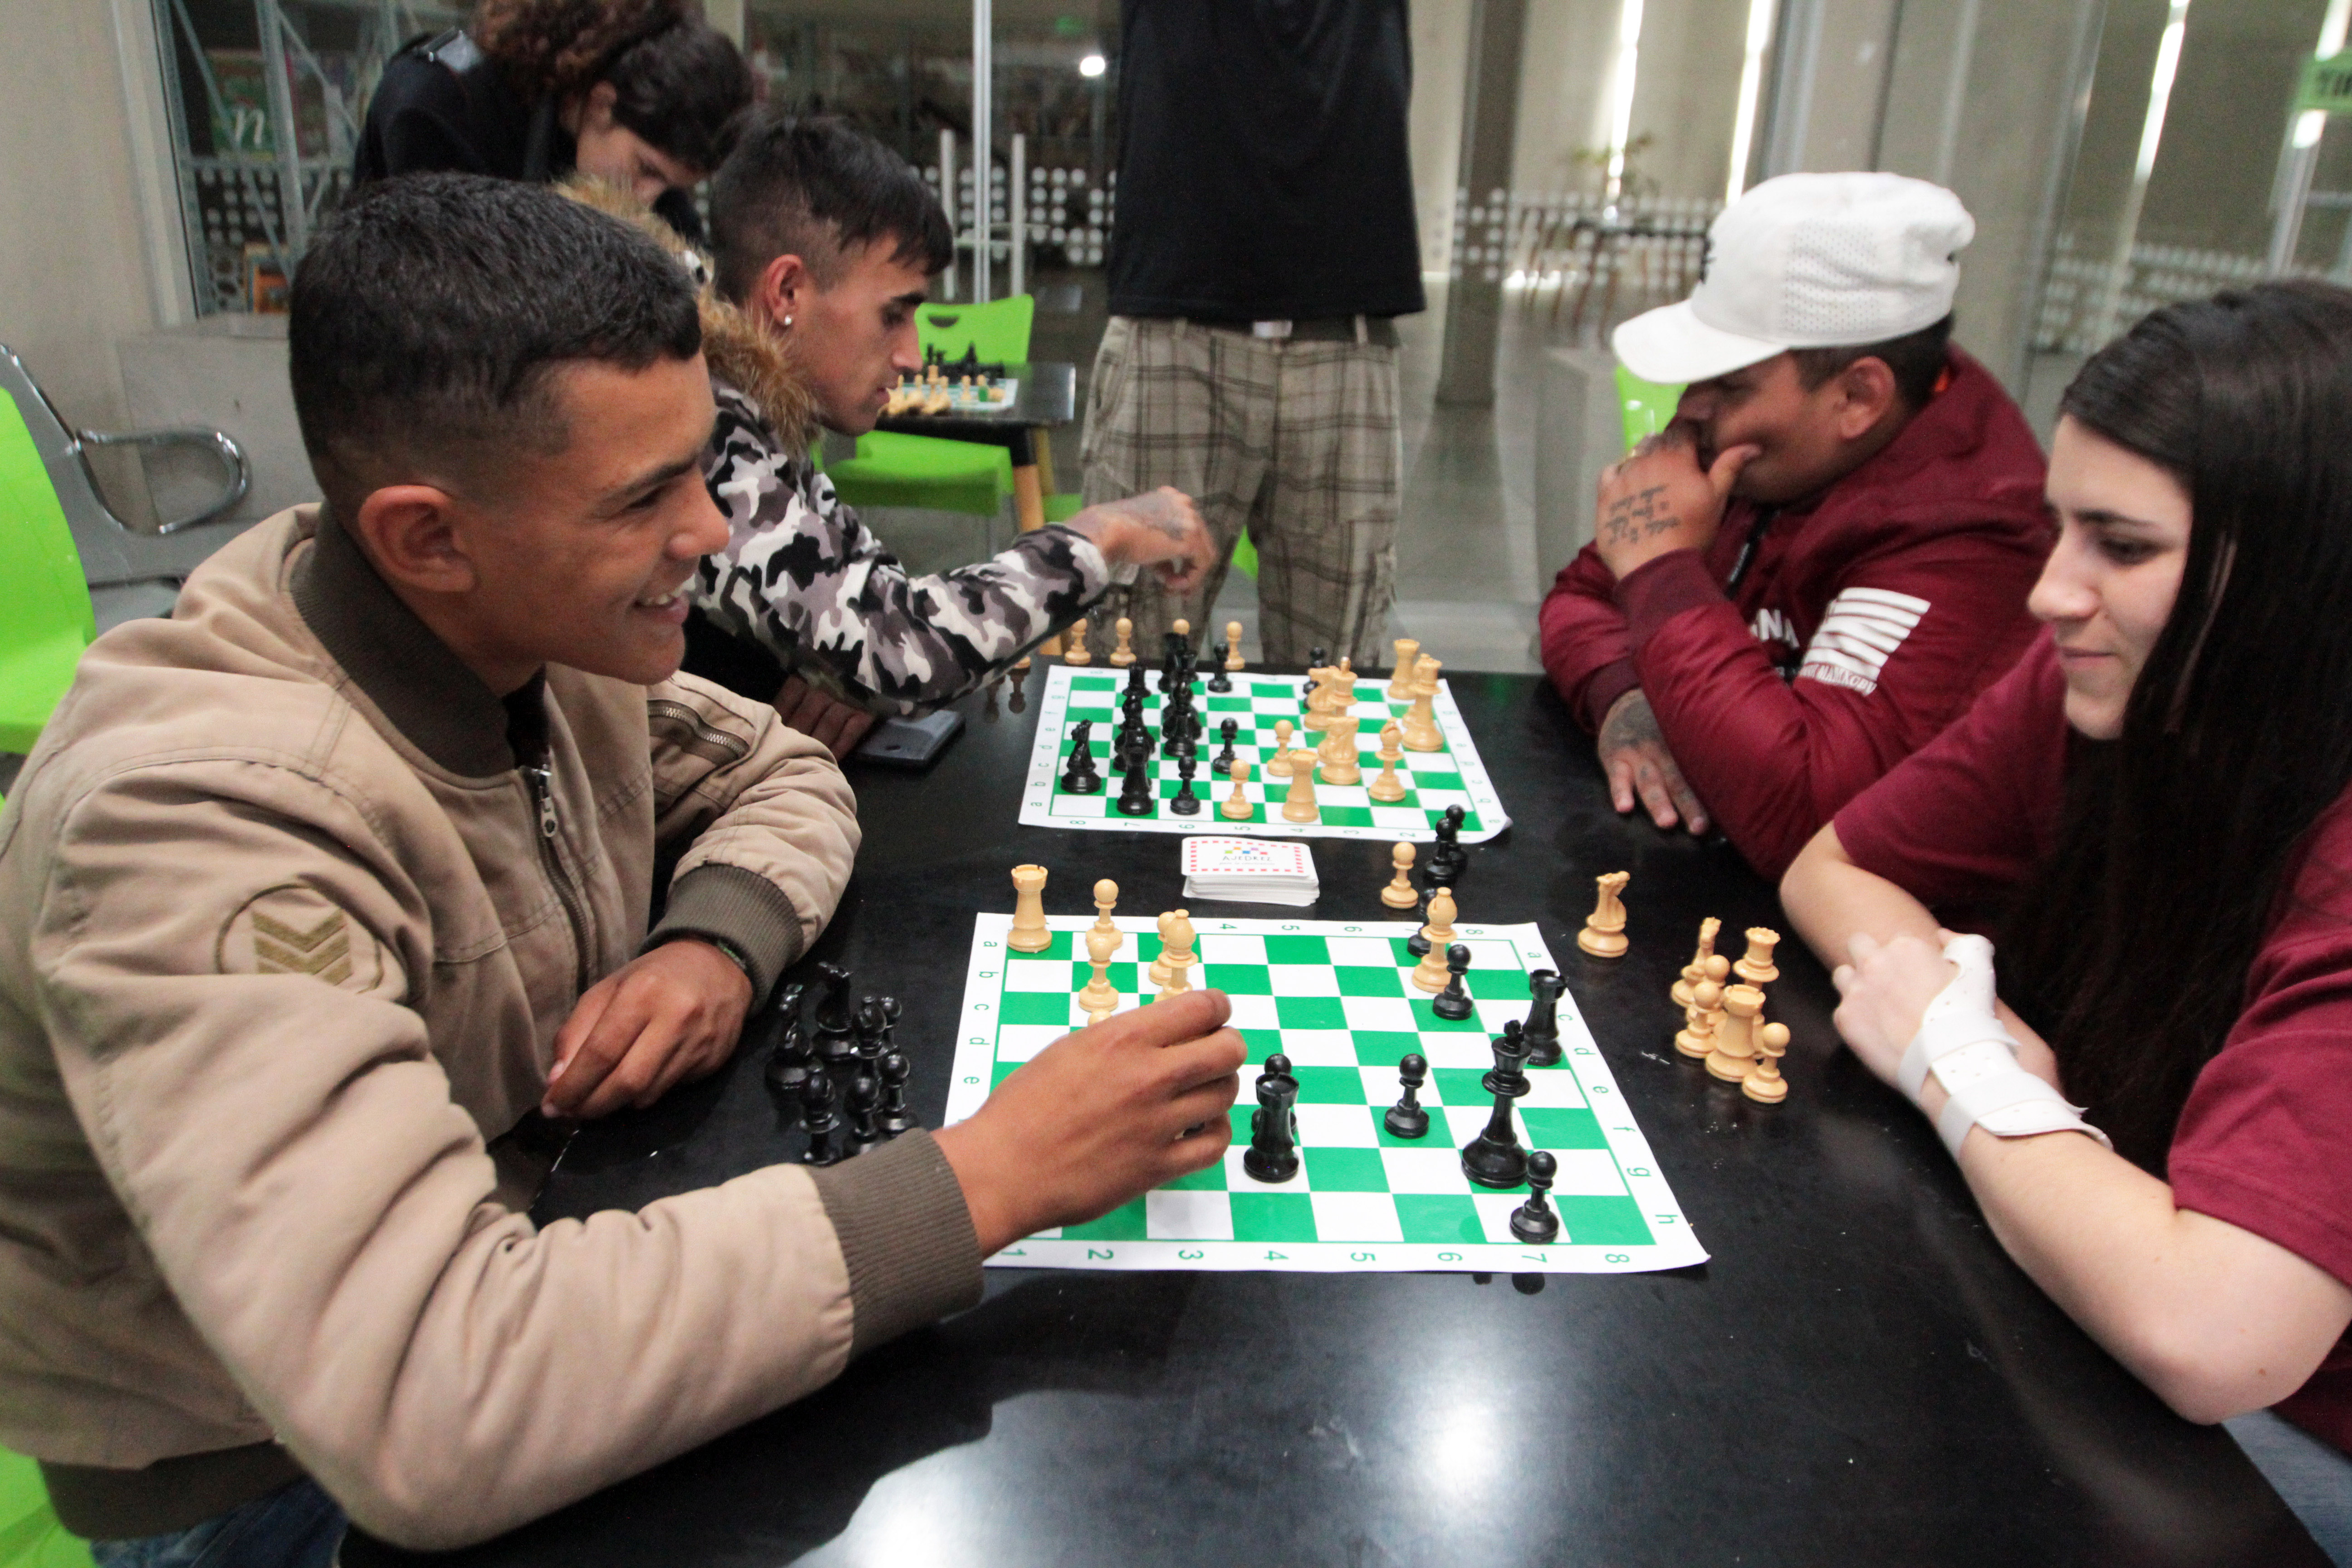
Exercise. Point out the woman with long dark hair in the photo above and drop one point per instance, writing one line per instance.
(643, 94)
(2152, 812)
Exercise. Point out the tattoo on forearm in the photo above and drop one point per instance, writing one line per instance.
(1631, 722)
(1637, 515)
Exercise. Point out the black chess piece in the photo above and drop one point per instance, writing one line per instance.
(1228, 730)
(1493, 1157)
(1135, 790)
(836, 1018)
(1316, 659)
(817, 1116)
(1185, 804)
(1220, 681)
(1272, 1154)
(1453, 1004)
(1446, 861)
(873, 1029)
(1079, 776)
(894, 1118)
(1139, 682)
(1533, 1221)
(1508, 1075)
(864, 1096)
(1019, 702)
(788, 1063)
(1406, 1118)
(1543, 1019)
(891, 1012)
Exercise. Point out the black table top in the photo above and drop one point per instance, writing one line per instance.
(1858, 1376)
(1048, 394)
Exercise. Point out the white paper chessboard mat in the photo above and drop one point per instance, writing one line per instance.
(1433, 780)
(1335, 997)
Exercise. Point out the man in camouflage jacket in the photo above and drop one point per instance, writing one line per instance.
(827, 243)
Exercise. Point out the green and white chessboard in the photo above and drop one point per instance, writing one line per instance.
(1433, 780)
(1335, 998)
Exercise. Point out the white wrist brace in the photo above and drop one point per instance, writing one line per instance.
(1962, 1041)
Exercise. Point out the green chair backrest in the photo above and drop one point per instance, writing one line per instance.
(1647, 407)
(995, 329)
(41, 584)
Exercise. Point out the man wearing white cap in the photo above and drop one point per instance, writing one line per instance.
(1826, 556)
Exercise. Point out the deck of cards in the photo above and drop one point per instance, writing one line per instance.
(1251, 871)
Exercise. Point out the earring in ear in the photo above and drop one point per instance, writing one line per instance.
(788, 320)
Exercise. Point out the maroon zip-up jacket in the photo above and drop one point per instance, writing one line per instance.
(1867, 620)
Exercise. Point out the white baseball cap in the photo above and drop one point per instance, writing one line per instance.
(1808, 261)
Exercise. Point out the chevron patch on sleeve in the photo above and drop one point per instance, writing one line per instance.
(293, 930)
(1858, 635)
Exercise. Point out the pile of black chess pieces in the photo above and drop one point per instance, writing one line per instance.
(1133, 745)
(848, 1086)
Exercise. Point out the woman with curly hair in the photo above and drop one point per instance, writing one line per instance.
(2155, 809)
(642, 93)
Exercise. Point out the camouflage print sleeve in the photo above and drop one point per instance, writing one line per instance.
(803, 577)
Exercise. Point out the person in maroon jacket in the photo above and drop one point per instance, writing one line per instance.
(1826, 556)
(2155, 807)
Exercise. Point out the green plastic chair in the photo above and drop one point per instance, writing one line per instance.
(1062, 508)
(30, 1535)
(993, 329)
(895, 468)
(1647, 407)
(45, 618)
(59, 541)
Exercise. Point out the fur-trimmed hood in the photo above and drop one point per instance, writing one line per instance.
(748, 356)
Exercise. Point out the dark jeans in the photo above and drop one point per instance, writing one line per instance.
(2311, 1477)
(296, 1526)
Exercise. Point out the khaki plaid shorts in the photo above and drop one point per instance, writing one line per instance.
(1296, 441)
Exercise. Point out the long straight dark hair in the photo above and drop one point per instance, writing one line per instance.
(2182, 837)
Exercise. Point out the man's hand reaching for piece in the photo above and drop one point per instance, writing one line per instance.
(671, 1015)
(1633, 754)
(1099, 1116)
(1160, 529)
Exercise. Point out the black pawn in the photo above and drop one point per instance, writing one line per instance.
(1446, 861)
(890, 1012)
(1219, 682)
(1272, 1154)
(1080, 777)
(1315, 660)
(1543, 1019)
(1135, 791)
(864, 1096)
(1406, 1118)
(1185, 804)
(817, 1116)
(788, 1065)
(894, 1120)
(1453, 1004)
(1533, 1221)
(1222, 765)
(873, 1029)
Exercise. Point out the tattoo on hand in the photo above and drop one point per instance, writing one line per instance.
(1637, 515)
(1631, 722)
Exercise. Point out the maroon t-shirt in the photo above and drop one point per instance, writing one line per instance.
(2265, 1141)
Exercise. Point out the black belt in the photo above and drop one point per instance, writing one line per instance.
(1379, 331)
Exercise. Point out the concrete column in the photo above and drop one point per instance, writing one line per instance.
(1490, 117)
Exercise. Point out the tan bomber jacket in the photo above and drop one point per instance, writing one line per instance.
(291, 905)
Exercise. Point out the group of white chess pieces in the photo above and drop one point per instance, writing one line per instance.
(1722, 1021)
(930, 393)
(1170, 971)
(1333, 761)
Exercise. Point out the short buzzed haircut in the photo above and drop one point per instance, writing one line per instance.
(1916, 359)
(431, 313)
(817, 188)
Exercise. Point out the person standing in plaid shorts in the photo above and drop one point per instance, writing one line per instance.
(1263, 242)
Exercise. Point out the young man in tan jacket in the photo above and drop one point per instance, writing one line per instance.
(313, 893)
